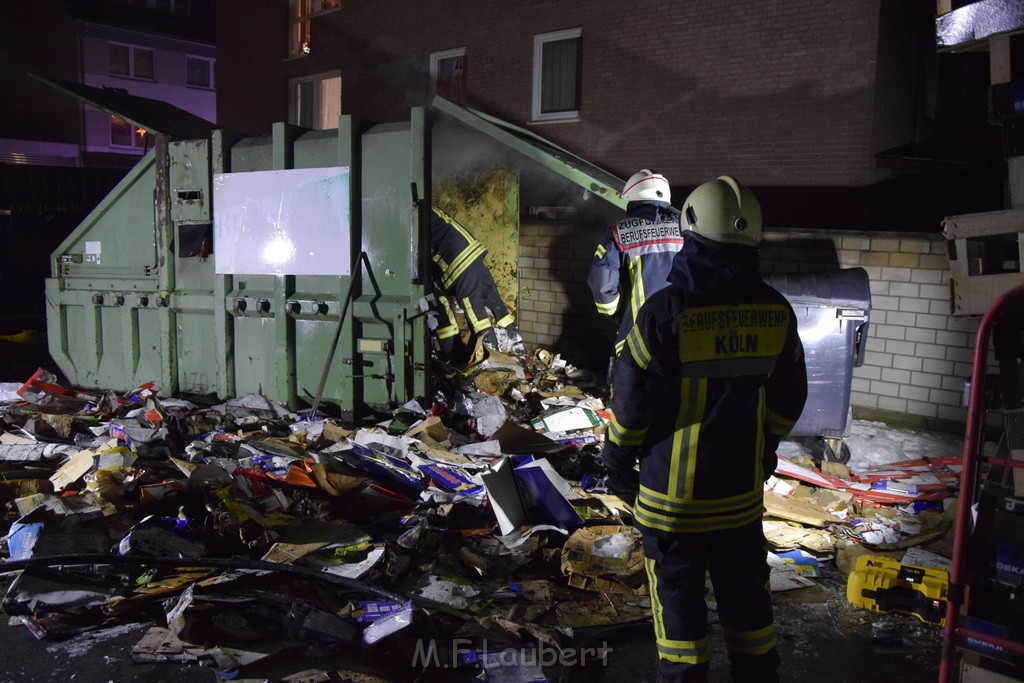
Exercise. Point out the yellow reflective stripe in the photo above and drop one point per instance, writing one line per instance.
(608, 308)
(455, 224)
(778, 425)
(506, 321)
(652, 520)
(755, 642)
(447, 331)
(683, 651)
(461, 262)
(660, 501)
(692, 397)
(657, 612)
(452, 328)
(759, 438)
(638, 286)
(625, 436)
(619, 345)
(478, 324)
(638, 349)
(600, 251)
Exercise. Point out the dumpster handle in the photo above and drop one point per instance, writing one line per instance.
(860, 344)
(337, 334)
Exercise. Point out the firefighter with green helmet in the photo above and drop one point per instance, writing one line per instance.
(712, 377)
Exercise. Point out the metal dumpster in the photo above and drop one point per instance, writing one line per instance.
(833, 310)
(292, 265)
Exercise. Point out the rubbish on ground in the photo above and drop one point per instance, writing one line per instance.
(531, 493)
(784, 575)
(481, 509)
(608, 559)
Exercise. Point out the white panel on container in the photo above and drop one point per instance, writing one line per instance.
(288, 222)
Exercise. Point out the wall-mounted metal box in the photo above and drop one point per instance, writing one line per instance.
(984, 258)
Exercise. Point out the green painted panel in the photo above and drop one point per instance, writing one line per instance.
(252, 154)
(117, 237)
(197, 357)
(188, 177)
(316, 149)
(254, 357)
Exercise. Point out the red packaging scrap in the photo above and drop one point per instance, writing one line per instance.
(902, 482)
(42, 389)
(154, 417)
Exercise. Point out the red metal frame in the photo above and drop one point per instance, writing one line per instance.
(973, 445)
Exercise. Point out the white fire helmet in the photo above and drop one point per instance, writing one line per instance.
(646, 185)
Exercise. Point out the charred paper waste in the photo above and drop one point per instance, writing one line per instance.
(455, 528)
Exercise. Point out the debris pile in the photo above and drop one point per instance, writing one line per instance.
(468, 531)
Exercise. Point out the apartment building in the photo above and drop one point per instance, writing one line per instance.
(840, 114)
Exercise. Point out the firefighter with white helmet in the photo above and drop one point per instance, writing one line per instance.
(711, 379)
(640, 245)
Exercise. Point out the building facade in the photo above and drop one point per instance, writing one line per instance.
(833, 111)
(59, 155)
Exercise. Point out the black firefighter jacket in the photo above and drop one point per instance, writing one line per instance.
(711, 379)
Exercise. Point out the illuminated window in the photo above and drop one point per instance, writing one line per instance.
(124, 134)
(556, 75)
(448, 74)
(130, 60)
(199, 72)
(300, 12)
(315, 102)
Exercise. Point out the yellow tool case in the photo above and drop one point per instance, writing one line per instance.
(882, 584)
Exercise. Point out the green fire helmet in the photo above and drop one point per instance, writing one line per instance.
(724, 210)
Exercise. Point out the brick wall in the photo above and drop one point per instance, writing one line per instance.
(556, 309)
(780, 94)
(918, 357)
(795, 98)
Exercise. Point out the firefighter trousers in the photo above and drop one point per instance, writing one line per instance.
(476, 293)
(736, 560)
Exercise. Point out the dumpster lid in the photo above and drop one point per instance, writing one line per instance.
(843, 288)
(156, 117)
(563, 162)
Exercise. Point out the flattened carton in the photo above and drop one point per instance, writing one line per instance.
(607, 558)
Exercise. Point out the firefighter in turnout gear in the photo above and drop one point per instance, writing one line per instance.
(460, 274)
(710, 381)
(642, 244)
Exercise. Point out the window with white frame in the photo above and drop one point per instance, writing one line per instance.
(300, 12)
(448, 74)
(130, 60)
(123, 134)
(315, 102)
(198, 71)
(556, 75)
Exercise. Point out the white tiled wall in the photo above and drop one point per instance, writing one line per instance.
(918, 356)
